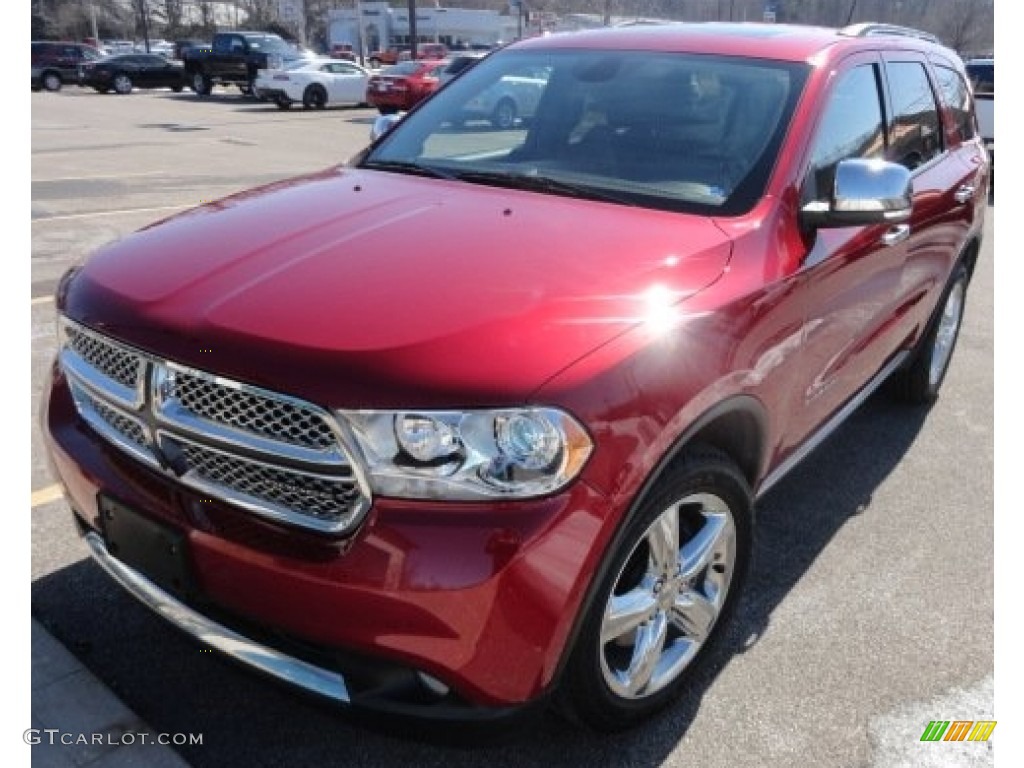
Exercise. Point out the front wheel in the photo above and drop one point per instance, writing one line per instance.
(919, 383)
(122, 84)
(283, 102)
(670, 584)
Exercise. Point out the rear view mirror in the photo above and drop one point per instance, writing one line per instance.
(864, 192)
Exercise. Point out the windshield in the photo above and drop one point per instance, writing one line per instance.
(269, 44)
(663, 130)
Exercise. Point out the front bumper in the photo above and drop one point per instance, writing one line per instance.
(273, 94)
(481, 598)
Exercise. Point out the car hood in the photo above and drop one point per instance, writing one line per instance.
(360, 288)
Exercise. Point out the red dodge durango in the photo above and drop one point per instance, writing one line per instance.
(516, 464)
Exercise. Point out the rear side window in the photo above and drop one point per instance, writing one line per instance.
(957, 99)
(851, 127)
(914, 132)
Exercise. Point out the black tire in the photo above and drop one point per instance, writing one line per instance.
(388, 110)
(686, 605)
(374, 63)
(122, 84)
(919, 382)
(177, 88)
(51, 81)
(283, 102)
(201, 84)
(504, 115)
(314, 97)
(102, 89)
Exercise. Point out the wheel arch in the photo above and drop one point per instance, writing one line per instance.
(737, 427)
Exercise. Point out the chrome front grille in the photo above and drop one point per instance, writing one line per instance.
(315, 495)
(109, 358)
(271, 417)
(271, 454)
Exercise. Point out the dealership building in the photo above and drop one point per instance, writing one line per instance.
(378, 26)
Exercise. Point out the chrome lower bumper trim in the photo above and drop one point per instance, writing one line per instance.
(294, 671)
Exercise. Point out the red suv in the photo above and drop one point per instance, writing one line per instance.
(479, 420)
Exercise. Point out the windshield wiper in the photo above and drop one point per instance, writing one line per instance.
(536, 183)
(407, 166)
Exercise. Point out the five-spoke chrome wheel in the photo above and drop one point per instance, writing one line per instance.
(946, 333)
(668, 595)
(666, 589)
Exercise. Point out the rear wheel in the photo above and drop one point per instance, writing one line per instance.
(670, 584)
(201, 84)
(122, 83)
(919, 383)
(283, 102)
(387, 110)
(504, 116)
(314, 97)
(52, 81)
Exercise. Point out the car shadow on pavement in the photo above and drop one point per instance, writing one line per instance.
(177, 686)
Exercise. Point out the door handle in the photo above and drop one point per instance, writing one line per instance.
(896, 235)
(965, 193)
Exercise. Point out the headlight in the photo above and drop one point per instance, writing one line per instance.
(506, 453)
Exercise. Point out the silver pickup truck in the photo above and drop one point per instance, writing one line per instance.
(982, 75)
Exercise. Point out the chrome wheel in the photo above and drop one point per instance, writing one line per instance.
(668, 596)
(946, 334)
(51, 81)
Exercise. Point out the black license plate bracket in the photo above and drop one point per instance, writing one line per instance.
(157, 551)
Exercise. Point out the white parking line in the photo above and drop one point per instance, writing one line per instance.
(120, 212)
(46, 495)
(98, 176)
(41, 300)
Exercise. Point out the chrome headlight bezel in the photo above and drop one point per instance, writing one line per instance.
(473, 454)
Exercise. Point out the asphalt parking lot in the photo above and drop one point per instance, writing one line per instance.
(869, 610)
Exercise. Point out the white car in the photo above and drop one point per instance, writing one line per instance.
(315, 83)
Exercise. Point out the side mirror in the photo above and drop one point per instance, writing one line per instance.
(383, 124)
(864, 192)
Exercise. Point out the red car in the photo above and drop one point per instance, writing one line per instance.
(403, 86)
(478, 421)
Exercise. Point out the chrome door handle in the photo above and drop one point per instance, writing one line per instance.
(965, 193)
(896, 235)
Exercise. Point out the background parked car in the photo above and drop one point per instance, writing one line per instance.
(55, 64)
(387, 57)
(124, 73)
(316, 83)
(460, 63)
(511, 98)
(403, 86)
(431, 51)
(343, 51)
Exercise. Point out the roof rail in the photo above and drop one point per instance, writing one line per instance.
(872, 29)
